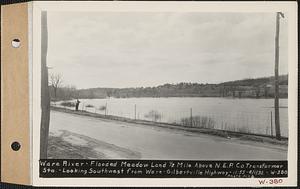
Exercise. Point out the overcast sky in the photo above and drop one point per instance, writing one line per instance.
(149, 49)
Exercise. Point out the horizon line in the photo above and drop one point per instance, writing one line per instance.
(181, 82)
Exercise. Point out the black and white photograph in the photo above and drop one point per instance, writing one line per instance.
(149, 93)
(156, 91)
(164, 85)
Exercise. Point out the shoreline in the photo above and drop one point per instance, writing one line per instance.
(236, 98)
(260, 138)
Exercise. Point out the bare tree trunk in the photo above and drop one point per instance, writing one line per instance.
(276, 95)
(45, 97)
(55, 92)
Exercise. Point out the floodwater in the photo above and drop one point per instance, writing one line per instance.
(243, 115)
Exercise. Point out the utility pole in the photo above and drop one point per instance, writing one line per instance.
(276, 83)
(45, 97)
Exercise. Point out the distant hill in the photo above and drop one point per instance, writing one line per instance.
(283, 80)
(245, 88)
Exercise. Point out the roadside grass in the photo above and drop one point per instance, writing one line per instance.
(198, 121)
(154, 115)
(69, 145)
(102, 108)
(61, 149)
(67, 104)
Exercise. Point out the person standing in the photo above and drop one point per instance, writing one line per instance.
(77, 104)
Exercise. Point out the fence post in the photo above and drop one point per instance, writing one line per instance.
(271, 124)
(191, 112)
(135, 111)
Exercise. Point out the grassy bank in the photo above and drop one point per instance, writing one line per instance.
(68, 145)
(210, 131)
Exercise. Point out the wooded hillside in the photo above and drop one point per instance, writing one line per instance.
(246, 88)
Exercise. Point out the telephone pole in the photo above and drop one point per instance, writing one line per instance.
(45, 98)
(276, 83)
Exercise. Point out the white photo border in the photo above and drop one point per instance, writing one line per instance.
(289, 8)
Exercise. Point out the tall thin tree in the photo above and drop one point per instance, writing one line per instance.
(276, 82)
(45, 97)
(55, 82)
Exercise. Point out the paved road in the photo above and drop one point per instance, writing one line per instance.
(126, 140)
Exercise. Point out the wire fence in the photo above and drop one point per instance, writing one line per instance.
(244, 122)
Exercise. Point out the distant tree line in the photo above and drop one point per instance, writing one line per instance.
(246, 88)
(58, 91)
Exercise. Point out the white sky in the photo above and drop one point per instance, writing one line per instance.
(149, 49)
